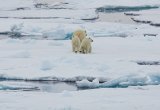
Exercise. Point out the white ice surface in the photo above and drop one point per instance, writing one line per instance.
(148, 15)
(13, 4)
(63, 13)
(113, 59)
(86, 4)
(59, 29)
(75, 4)
(133, 98)
(69, 19)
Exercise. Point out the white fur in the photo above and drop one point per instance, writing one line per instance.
(85, 46)
(80, 33)
(75, 44)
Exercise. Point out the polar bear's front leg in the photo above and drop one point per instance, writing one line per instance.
(85, 51)
(90, 49)
(73, 48)
(76, 50)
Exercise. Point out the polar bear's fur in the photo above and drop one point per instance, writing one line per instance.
(75, 44)
(85, 46)
(80, 33)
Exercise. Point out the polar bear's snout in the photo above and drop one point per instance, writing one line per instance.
(91, 40)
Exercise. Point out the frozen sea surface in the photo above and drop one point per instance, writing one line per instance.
(113, 62)
(143, 98)
(122, 72)
(60, 23)
(38, 86)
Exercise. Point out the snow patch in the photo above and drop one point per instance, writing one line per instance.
(46, 65)
(21, 54)
(66, 93)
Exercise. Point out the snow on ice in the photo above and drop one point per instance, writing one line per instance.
(143, 98)
(115, 63)
(35, 46)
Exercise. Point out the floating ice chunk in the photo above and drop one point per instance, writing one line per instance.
(87, 84)
(133, 80)
(17, 87)
(58, 34)
(16, 28)
(16, 4)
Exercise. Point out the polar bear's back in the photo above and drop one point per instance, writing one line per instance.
(80, 33)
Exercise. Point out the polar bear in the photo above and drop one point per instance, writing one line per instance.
(85, 46)
(80, 33)
(75, 44)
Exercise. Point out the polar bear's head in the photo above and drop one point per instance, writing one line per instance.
(91, 40)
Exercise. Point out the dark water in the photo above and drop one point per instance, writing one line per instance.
(148, 62)
(111, 9)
